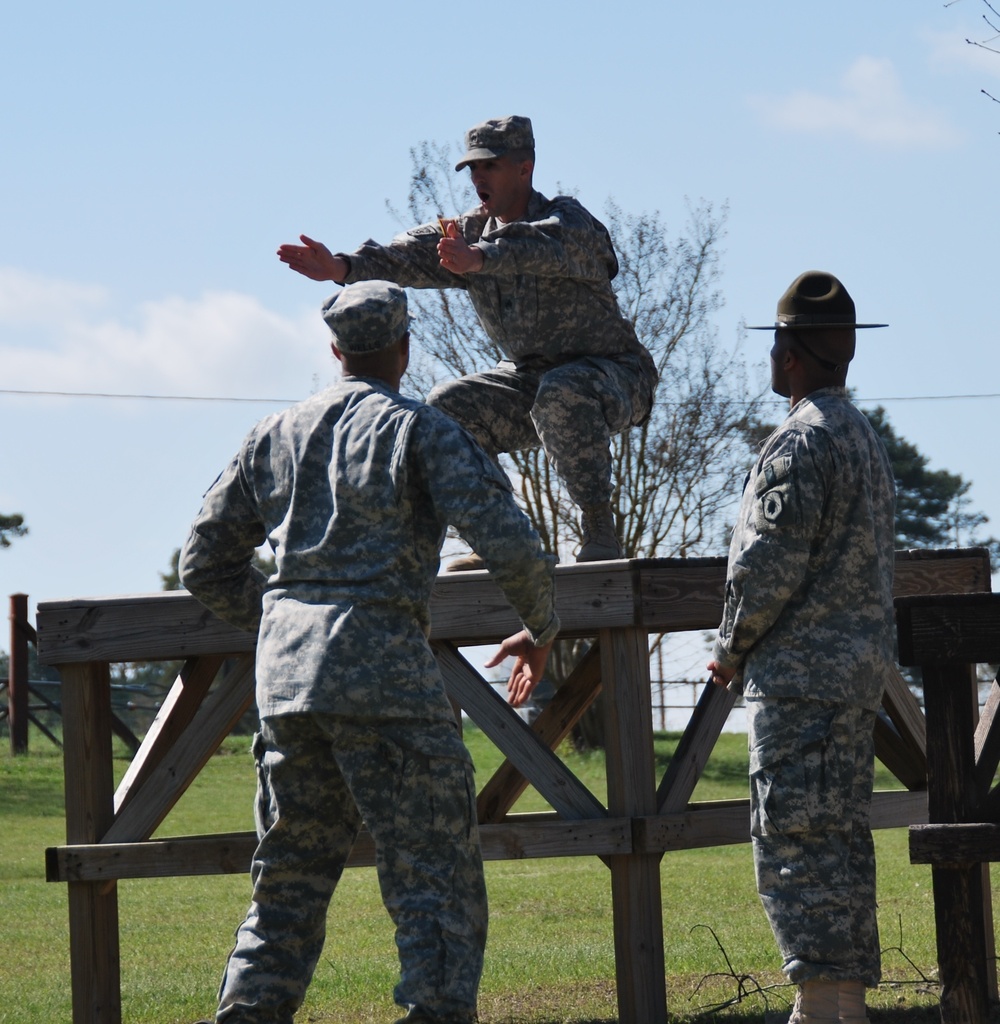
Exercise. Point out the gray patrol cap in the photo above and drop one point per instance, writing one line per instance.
(367, 317)
(495, 137)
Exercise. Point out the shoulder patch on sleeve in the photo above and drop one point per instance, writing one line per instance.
(774, 489)
(772, 474)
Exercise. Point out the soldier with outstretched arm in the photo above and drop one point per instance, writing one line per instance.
(538, 272)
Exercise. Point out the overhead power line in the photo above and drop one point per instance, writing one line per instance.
(148, 398)
(289, 401)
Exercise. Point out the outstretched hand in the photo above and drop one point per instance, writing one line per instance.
(314, 260)
(528, 668)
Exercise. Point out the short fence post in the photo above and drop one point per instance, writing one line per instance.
(17, 676)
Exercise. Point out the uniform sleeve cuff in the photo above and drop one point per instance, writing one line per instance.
(548, 634)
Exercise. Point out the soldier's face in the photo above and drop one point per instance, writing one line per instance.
(503, 186)
(779, 374)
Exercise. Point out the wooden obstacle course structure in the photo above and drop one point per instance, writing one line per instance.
(618, 604)
(947, 635)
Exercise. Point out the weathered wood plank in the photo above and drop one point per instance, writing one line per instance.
(175, 714)
(95, 953)
(986, 742)
(965, 941)
(95, 963)
(963, 962)
(140, 627)
(232, 853)
(543, 835)
(678, 594)
(951, 707)
(469, 608)
(958, 844)
(726, 822)
(169, 780)
(631, 778)
(551, 727)
(942, 571)
(695, 747)
(892, 750)
(907, 715)
(663, 595)
(949, 627)
(514, 738)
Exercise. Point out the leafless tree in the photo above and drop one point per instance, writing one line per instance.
(992, 41)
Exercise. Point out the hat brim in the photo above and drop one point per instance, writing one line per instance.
(811, 327)
(479, 154)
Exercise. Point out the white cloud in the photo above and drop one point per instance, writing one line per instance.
(64, 336)
(870, 106)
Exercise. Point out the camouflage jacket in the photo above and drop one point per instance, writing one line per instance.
(353, 489)
(808, 609)
(544, 293)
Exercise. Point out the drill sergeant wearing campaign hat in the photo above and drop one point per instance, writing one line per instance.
(538, 272)
(806, 637)
(353, 489)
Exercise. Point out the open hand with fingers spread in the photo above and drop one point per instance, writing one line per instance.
(314, 260)
(528, 668)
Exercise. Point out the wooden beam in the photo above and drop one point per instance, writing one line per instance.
(174, 716)
(551, 727)
(696, 745)
(17, 675)
(986, 742)
(907, 716)
(232, 853)
(635, 879)
(95, 962)
(965, 951)
(663, 595)
(955, 845)
(556, 783)
(949, 627)
(168, 781)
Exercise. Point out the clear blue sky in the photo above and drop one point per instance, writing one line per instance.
(155, 155)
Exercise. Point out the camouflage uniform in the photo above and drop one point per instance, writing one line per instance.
(808, 626)
(353, 489)
(574, 371)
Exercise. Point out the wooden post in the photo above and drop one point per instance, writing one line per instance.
(635, 877)
(95, 963)
(952, 797)
(17, 675)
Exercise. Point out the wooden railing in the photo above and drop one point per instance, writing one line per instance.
(947, 635)
(618, 604)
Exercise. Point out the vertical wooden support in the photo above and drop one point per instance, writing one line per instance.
(17, 677)
(93, 906)
(952, 797)
(635, 878)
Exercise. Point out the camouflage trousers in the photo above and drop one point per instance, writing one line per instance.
(571, 410)
(318, 777)
(812, 769)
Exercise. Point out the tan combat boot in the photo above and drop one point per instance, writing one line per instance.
(851, 1003)
(816, 1002)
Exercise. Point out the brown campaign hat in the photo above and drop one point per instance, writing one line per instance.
(815, 300)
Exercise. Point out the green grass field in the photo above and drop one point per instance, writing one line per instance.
(550, 956)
